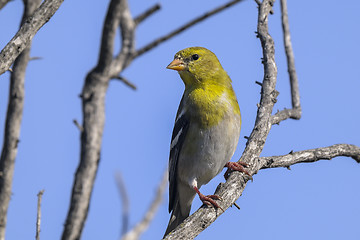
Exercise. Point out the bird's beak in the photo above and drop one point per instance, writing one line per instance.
(177, 65)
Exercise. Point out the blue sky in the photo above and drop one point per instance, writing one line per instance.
(312, 201)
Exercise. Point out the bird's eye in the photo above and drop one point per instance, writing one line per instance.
(195, 57)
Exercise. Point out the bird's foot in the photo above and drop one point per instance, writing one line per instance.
(236, 166)
(209, 199)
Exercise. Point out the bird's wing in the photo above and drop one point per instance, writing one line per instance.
(181, 127)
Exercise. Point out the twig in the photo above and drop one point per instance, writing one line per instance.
(147, 14)
(35, 58)
(27, 31)
(162, 39)
(236, 205)
(127, 82)
(295, 112)
(13, 122)
(38, 216)
(312, 155)
(136, 232)
(77, 124)
(124, 200)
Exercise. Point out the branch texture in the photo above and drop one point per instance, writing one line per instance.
(93, 106)
(312, 155)
(27, 31)
(13, 123)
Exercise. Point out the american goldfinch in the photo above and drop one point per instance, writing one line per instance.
(206, 131)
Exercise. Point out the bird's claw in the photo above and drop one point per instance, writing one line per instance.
(236, 166)
(209, 200)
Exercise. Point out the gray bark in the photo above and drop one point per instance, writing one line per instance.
(13, 123)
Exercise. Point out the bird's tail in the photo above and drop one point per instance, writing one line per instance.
(176, 218)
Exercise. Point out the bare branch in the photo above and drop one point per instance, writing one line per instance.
(234, 186)
(127, 27)
(93, 106)
(183, 28)
(136, 232)
(147, 14)
(13, 123)
(108, 35)
(124, 200)
(38, 216)
(312, 155)
(295, 94)
(295, 112)
(27, 31)
(285, 114)
(127, 82)
(262, 126)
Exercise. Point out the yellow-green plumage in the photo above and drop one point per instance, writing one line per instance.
(205, 100)
(205, 83)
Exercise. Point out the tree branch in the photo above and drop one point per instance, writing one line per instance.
(125, 202)
(312, 155)
(93, 107)
(38, 216)
(166, 37)
(147, 14)
(13, 123)
(27, 31)
(140, 228)
(124, 58)
(295, 112)
(126, 82)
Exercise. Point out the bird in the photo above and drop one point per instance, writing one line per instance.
(206, 131)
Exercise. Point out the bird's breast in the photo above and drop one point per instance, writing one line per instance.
(209, 106)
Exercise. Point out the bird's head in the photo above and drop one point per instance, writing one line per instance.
(197, 66)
